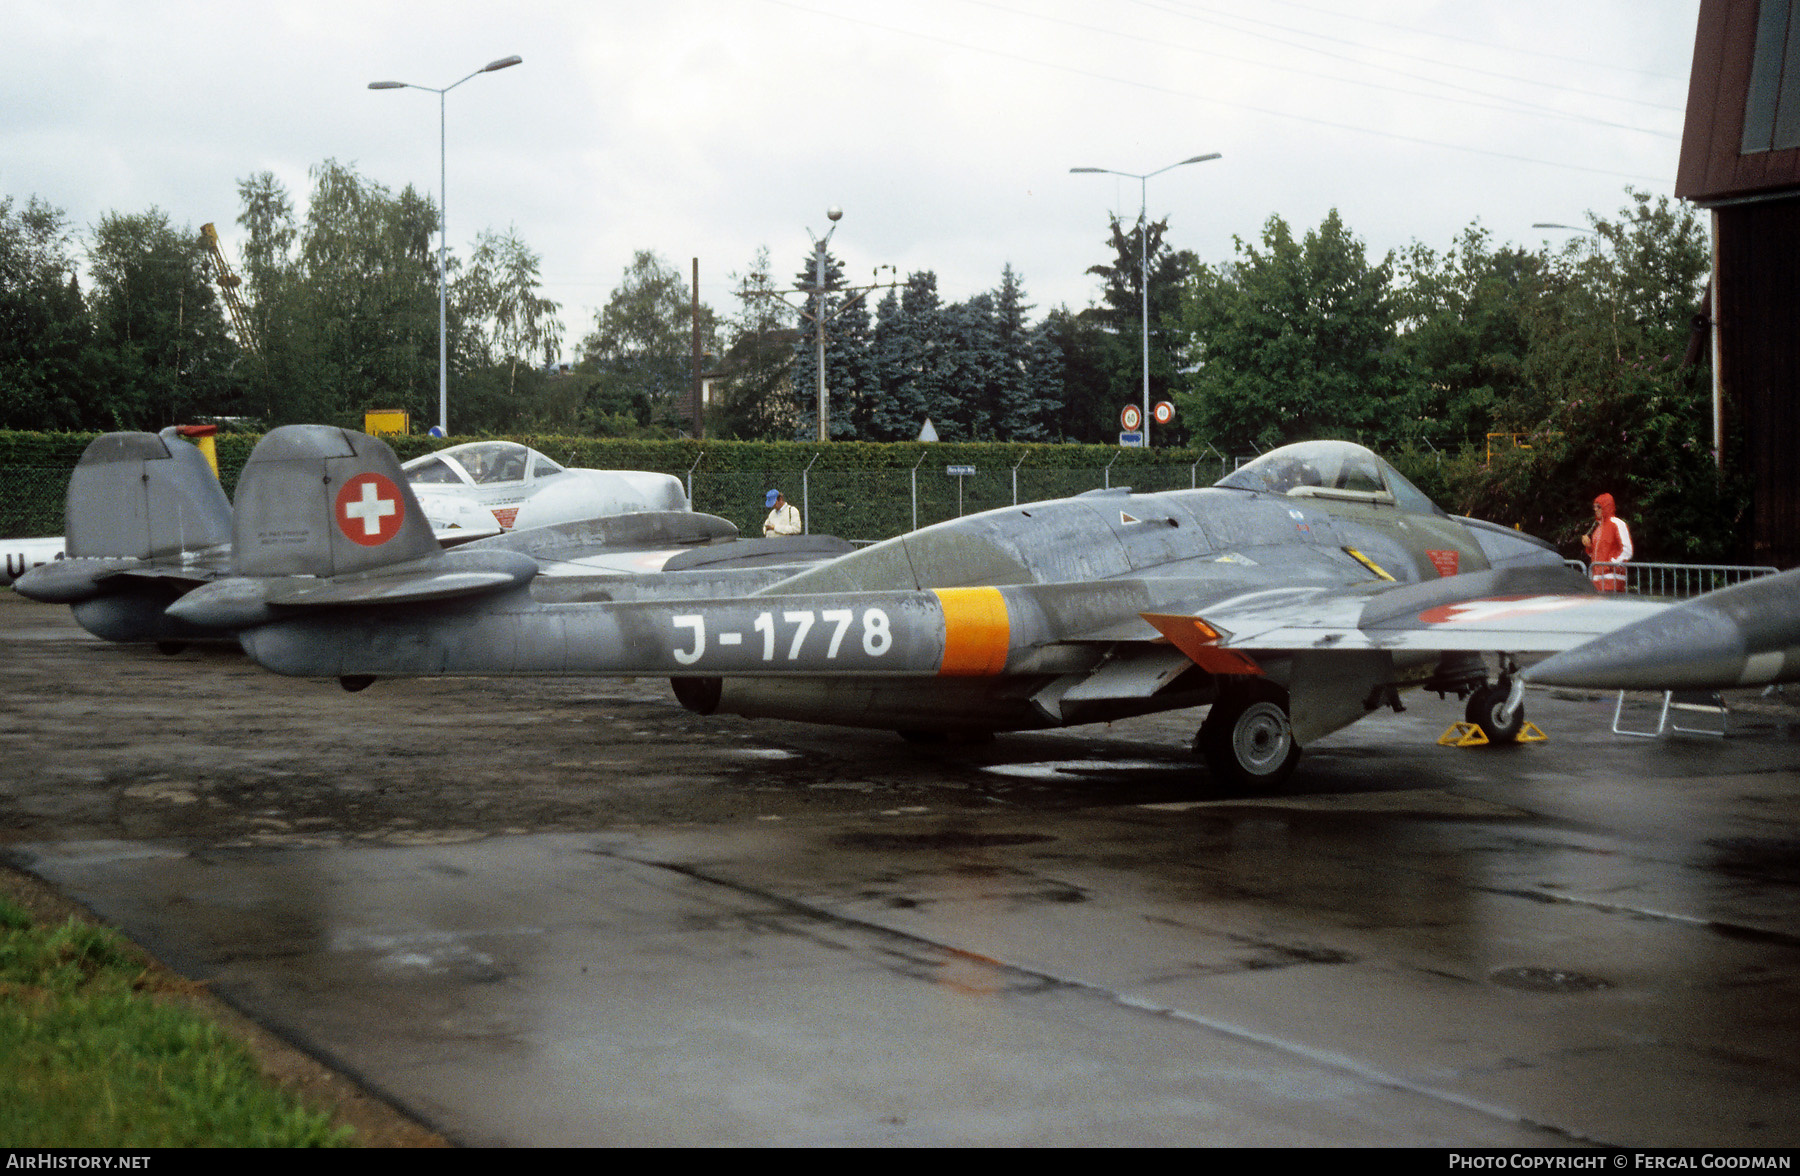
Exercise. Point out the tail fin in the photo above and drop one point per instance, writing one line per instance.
(314, 500)
(144, 496)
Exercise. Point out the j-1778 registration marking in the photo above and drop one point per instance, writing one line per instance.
(877, 633)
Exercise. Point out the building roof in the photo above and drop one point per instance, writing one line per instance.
(1742, 134)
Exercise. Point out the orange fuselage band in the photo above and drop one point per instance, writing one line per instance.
(976, 632)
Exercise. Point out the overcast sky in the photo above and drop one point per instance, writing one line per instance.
(945, 129)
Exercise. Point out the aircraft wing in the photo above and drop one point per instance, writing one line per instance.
(1518, 610)
(642, 542)
(1744, 635)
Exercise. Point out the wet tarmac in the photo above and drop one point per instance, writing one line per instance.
(567, 911)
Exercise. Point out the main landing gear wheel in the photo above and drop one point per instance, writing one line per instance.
(1247, 739)
(1484, 710)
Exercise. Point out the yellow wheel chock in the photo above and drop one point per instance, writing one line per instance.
(1463, 735)
(1471, 735)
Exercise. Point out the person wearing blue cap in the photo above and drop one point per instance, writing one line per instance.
(783, 518)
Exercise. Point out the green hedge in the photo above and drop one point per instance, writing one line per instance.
(856, 489)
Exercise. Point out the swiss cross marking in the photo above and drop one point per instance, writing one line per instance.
(369, 509)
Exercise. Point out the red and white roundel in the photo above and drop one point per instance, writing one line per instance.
(1131, 416)
(369, 509)
(1163, 412)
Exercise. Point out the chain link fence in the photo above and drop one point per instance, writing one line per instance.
(31, 501)
(853, 504)
(863, 505)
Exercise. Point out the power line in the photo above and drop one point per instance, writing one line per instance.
(1230, 105)
(1218, 17)
(1388, 24)
(1500, 102)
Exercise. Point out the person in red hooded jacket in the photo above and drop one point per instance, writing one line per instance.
(1608, 546)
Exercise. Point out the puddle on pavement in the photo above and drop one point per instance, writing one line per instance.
(1062, 769)
(948, 839)
(1550, 980)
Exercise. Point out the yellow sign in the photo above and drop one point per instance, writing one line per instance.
(377, 421)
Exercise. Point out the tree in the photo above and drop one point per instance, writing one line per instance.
(915, 362)
(345, 307)
(1027, 385)
(509, 334)
(1295, 340)
(1466, 330)
(160, 346)
(44, 328)
(507, 320)
(1085, 355)
(640, 348)
(758, 401)
(371, 280)
(978, 370)
(1605, 397)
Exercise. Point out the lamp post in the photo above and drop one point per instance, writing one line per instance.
(1144, 255)
(444, 227)
(820, 244)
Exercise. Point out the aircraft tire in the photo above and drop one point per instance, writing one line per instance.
(1247, 739)
(1484, 710)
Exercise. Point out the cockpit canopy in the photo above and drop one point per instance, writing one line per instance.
(482, 463)
(1339, 470)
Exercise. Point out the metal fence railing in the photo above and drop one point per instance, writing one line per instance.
(1676, 581)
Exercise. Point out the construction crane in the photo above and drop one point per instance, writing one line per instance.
(228, 284)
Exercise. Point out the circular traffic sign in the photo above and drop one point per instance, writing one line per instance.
(1163, 413)
(1131, 416)
(369, 509)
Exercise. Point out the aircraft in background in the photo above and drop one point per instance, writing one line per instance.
(148, 522)
(1294, 597)
(524, 489)
(18, 556)
(455, 518)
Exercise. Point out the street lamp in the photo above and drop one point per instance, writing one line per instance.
(1144, 254)
(444, 227)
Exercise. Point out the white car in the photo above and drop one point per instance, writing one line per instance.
(523, 488)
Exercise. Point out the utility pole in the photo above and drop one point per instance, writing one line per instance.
(699, 407)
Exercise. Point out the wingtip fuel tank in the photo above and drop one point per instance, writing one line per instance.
(1745, 635)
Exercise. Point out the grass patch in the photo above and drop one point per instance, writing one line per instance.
(94, 1052)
